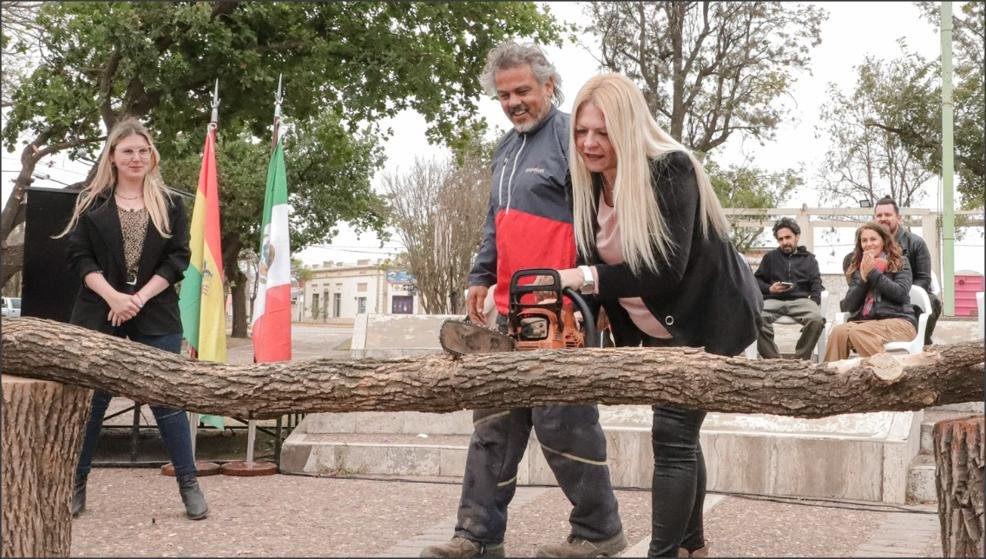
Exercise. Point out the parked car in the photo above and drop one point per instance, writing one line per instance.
(11, 306)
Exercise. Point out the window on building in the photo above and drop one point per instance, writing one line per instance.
(361, 287)
(360, 305)
(402, 304)
(315, 305)
(336, 304)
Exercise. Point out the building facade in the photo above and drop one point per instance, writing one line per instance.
(337, 292)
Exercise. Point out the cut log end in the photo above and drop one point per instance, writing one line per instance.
(886, 367)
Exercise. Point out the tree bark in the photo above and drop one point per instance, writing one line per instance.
(13, 261)
(685, 377)
(959, 462)
(43, 424)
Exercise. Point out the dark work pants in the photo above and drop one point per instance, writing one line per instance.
(573, 444)
(171, 423)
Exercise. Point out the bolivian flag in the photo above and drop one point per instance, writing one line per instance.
(202, 300)
(272, 307)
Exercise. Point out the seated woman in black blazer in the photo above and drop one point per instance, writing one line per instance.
(878, 298)
(128, 241)
(655, 242)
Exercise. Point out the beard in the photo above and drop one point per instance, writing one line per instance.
(524, 109)
(787, 249)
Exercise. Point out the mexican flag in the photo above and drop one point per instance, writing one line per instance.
(202, 300)
(272, 307)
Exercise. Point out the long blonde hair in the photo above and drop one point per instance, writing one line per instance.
(636, 139)
(105, 179)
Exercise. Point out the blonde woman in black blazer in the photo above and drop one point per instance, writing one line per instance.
(128, 242)
(655, 244)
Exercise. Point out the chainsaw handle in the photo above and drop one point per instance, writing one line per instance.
(517, 289)
(588, 320)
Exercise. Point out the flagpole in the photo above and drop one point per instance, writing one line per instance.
(193, 418)
(278, 98)
(249, 467)
(202, 468)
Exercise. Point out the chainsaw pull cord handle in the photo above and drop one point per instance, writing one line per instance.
(588, 320)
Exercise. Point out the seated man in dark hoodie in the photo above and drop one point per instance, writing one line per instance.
(792, 286)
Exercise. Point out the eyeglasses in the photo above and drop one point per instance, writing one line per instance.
(130, 154)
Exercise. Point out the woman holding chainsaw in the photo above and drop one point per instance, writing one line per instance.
(655, 246)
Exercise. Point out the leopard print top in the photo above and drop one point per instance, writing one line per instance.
(133, 223)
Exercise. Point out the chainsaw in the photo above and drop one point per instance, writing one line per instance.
(531, 324)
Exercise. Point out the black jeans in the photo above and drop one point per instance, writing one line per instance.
(171, 423)
(678, 485)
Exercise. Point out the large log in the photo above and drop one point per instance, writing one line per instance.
(959, 462)
(43, 423)
(682, 377)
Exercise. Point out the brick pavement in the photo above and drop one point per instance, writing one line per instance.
(137, 513)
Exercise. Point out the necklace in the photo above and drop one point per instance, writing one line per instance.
(122, 197)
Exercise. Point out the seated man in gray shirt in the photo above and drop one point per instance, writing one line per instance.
(792, 286)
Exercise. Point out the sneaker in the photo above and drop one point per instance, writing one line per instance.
(463, 547)
(575, 546)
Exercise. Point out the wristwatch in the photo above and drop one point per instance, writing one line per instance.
(588, 282)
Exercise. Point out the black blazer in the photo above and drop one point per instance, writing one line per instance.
(705, 295)
(96, 244)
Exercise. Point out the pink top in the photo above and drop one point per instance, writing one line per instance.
(608, 245)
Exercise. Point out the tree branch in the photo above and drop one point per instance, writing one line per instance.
(685, 377)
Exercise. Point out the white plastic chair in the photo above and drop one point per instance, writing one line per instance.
(751, 351)
(918, 297)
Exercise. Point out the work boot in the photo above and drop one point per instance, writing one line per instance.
(464, 547)
(79, 495)
(575, 546)
(191, 495)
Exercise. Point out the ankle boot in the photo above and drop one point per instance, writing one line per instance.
(191, 494)
(79, 495)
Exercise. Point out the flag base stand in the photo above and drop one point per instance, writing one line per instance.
(249, 469)
(202, 468)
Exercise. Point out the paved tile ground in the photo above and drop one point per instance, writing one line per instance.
(137, 513)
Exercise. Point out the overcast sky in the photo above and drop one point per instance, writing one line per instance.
(852, 31)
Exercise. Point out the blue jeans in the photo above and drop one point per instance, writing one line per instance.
(171, 423)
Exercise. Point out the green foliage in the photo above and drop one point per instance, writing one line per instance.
(883, 132)
(361, 60)
(709, 69)
(894, 138)
(750, 187)
(329, 173)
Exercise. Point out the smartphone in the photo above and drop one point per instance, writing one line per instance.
(786, 284)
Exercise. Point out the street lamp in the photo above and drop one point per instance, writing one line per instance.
(865, 203)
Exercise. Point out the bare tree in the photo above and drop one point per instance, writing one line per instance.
(438, 210)
(709, 69)
(867, 159)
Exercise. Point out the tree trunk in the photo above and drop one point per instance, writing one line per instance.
(238, 290)
(13, 262)
(43, 423)
(685, 377)
(236, 280)
(959, 465)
